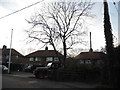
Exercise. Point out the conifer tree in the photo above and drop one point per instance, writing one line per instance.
(109, 42)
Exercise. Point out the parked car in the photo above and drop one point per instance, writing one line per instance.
(28, 68)
(42, 72)
(3, 68)
(31, 68)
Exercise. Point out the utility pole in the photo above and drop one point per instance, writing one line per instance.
(91, 50)
(10, 52)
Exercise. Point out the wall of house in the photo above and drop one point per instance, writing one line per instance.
(42, 60)
(91, 62)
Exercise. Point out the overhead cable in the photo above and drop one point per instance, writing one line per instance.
(21, 9)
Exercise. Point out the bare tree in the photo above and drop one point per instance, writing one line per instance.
(60, 24)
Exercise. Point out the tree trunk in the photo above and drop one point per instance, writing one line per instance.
(65, 51)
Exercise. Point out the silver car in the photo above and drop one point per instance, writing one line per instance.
(3, 68)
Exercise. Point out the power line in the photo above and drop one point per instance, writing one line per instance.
(116, 7)
(21, 9)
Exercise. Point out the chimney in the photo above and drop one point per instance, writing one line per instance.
(4, 47)
(91, 50)
(46, 48)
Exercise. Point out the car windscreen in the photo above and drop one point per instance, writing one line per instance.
(49, 64)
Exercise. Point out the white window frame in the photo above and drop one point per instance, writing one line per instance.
(17, 57)
(49, 59)
(56, 59)
(36, 58)
(39, 59)
(81, 61)
(88, 62)
(31, 59)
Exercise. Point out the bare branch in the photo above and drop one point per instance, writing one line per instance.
(60, 24)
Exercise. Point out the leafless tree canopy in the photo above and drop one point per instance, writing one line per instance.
(60, 24)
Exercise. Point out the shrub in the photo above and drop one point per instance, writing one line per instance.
(102, 86)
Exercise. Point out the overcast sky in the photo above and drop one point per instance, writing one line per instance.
(19, 25)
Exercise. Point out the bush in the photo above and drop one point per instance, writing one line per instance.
(71, 63)
(102, 86)
(85, 72)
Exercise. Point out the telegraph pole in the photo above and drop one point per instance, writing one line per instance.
(10, 52)
(91, 50)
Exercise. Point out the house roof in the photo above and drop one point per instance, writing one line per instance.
(45, 53)
(91, 56)
(13, 52)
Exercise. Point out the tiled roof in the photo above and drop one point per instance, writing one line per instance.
(45, 53)
(91, 55)
(13, 51)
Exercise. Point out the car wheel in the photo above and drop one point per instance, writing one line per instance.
(40, 75)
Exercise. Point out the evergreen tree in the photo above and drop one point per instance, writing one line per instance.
(109, 42)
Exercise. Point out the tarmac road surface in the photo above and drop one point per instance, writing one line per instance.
(28, 80)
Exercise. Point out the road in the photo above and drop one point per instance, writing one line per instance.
(28, 80)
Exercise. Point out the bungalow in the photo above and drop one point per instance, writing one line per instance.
(42, 57)
(91, 57)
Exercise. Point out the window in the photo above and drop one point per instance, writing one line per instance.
(7, 57)
(31, 59)
(36, 59)
(39, 59)
(49, 59)
(16, 57)
(81, 61)
(88, 62)
(56, 59)
(99, 62)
